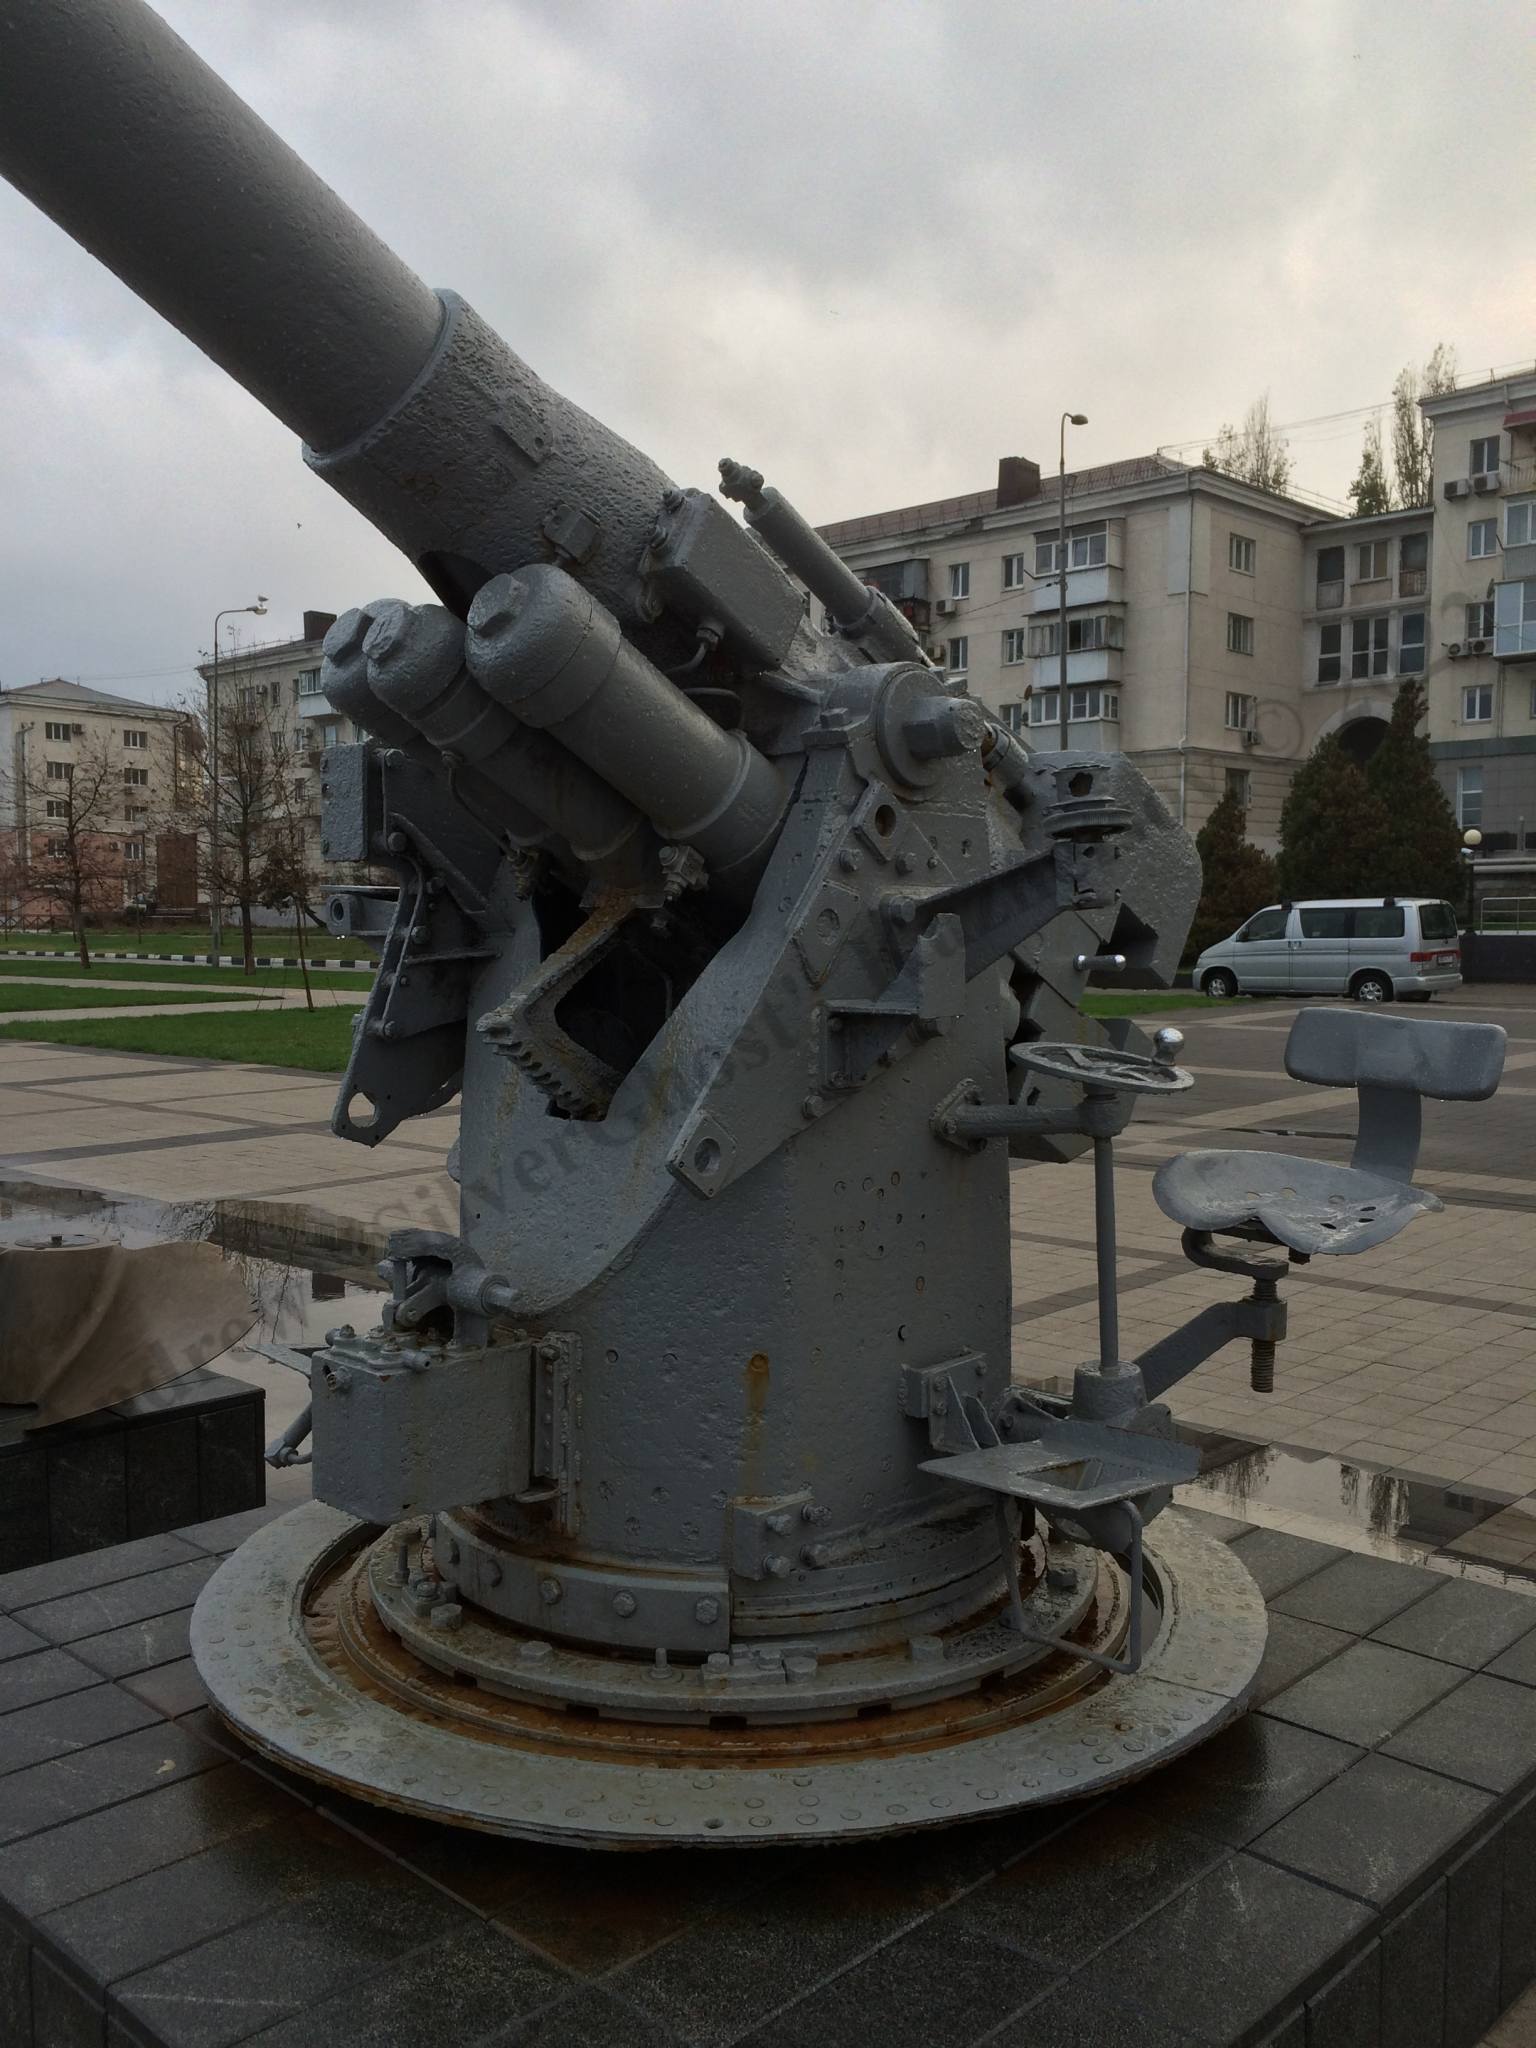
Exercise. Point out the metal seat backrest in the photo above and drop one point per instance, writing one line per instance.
(1394, 1062)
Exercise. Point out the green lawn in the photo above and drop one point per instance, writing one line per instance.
(262, 982)
(19, 996)
(319, 1040)
(1103, 1002)
(189, 939)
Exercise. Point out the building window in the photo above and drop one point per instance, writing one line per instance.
(1410, 644)
(57, 848)
(1085, 634)
(1483, 457)
(1013, 572)
(135, 739)
(136, 778)
(1082, 705)
(61, 771)
(1514, 618)
(1239, 786)
(54, 731)
(958, 655)
(959, 579)
(1469, 797)
(1330, 653)
(134, 813)
(1368, 650)
(1239, 634)
(1370, 560)
(1240, 553)
(1330, 578)
(1087, 548)
(133, 849)
(308, 683)
(1482, 538)
(1477, 704)
(1015, 716)
(56, 807)
(1242, 711)
(1015, 646)
(1480, 619)
(1413, 565)
(1520, 523)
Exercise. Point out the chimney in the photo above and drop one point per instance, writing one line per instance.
(1018, 480)
(318, 624)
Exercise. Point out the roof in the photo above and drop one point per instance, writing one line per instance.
(1108, 476)
(58, 691)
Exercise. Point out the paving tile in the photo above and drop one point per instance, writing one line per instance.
(42, 1675)
(59, 1727)
(1518, 1662)
(16, 1641)
(585, 2019)
(1195, 1964)
(114, 1606)
(1413, 1973)
(1278, 1561)
(1365, 1694)
(1240, 1782)
(228, 1532)
(139, 1647)
(89, 1779)
(1483, 1733)
(1462, 1622)
(1083, 2013)
(1293, 1648)
(66, 1575)
(1357, 1593)
(938, 1982)
(171, 1689)
(1083, 1887)
(1376, 1830)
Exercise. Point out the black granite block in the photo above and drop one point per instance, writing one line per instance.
(1485, 1732)
(42, 1675)
(1081, 1888)
(66, 1575)
(1474, 1895)
(171, 1689)
(103, 1849)
(1084, 2013)
(100, 1608)
(1244, 1942)
(1346, 2013)
(1377, 1830)
(1462, 1622)
(1294, 1648)
(58, 1727)
(586, 2019)
(162, 1477)
(291, 1960)
(1365, 1694)
(1242, 1781)
(23, 1537)
(1413, 1973)
(480, 1976)
(935, 1983)
(1518, 1662)
(1277, 1561)
(89, 1779)
(1291, 2033)
(1517, 1946)
(15, 1985)
(228, 1532)
(231, 1476)
(139, 1647)
(64, 2014)
(1357, 1593)
(87, 1493)
(1225, 1528)
(16, 1641)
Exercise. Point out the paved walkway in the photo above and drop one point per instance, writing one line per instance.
(227, 1001)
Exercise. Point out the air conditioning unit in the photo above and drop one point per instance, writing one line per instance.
(1251, 736)
(944, 607)
(1479, 646)
(1455, 650)
(1458, 487)
(1488, 481)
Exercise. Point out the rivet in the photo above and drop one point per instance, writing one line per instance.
(624, 1604)
(550, 1591)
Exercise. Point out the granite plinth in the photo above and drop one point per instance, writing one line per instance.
(187, 1452)
(1351, 1866)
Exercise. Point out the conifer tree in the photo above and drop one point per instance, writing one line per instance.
(1236, 878)
(1421, 850)
(1333, 830)
(1371, 490)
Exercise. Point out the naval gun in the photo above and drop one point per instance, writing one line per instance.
(682, 1493)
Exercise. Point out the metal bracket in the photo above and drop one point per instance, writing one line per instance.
(761, 1535)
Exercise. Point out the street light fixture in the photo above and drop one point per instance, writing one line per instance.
(1471, 840)
(1068, 419)
(215, 907)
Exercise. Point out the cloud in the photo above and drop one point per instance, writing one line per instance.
(868, 245)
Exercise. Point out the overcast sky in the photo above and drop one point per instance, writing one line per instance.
(867, 245)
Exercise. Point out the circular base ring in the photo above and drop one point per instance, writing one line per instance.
(267, 1655)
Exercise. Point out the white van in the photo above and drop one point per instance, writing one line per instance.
(1373, 948)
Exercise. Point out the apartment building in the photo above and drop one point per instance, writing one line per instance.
(1482, 657)
(52, 731)
(1365, 622)
(1184, 629)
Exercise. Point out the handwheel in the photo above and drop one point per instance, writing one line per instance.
(1101, 1066)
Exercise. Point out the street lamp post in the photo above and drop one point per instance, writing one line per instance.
(1471, 840)
(1074, 419)
(215, 907)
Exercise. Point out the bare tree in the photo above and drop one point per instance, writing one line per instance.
(1413, 436)
(1257, 452)
(1371, 490)
(81, 854)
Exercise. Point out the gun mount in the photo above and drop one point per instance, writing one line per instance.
(682, 1494)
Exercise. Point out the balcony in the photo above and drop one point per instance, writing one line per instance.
(315, 704)
(1093, 665)
(1330, 595)
(1412, 582)
(1099, 586)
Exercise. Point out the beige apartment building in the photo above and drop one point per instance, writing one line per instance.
(1482, 666)
(1365, 623)
(1183, 621)
(51, 730)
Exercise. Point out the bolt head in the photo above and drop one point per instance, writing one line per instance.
(497, 606)
(387, 635)
(777, 1567)
(550, 1591)
(624, 1605)
(706, 1612)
